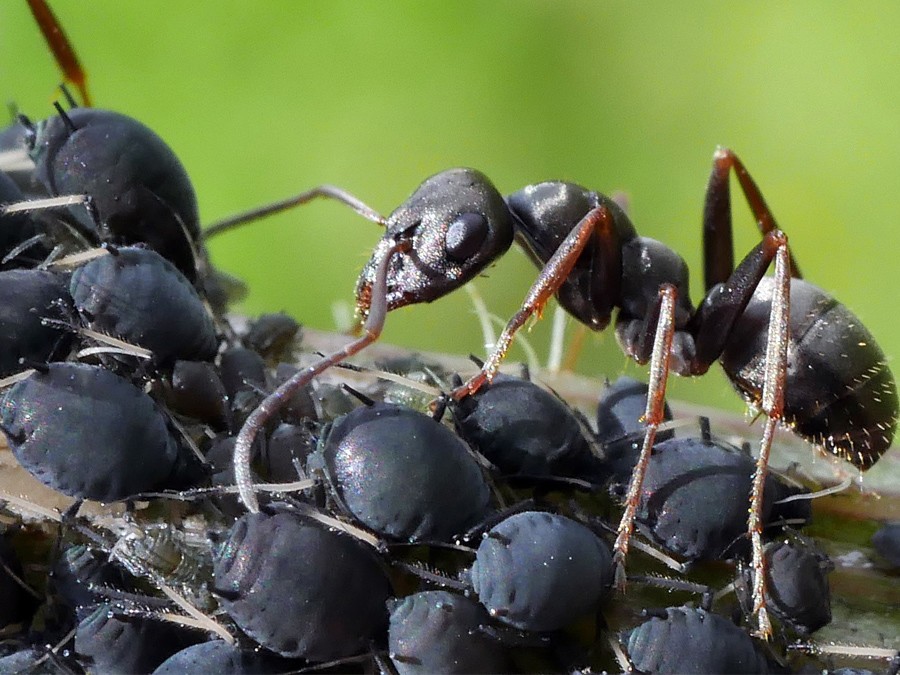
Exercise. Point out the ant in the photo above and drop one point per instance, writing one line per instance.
(792, 351)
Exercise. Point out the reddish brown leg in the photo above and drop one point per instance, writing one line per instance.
(279, 398)
(548, 282)
(62, 49)
(654, 415)
(322, 191)
(718, 244)
(773, 406)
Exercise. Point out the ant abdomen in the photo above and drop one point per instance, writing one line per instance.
(839, 393)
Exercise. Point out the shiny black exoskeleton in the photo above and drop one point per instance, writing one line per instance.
(402, 474)
(301, 590)
(840, 393)
(688, 640)
(130, 449)
(139, 190)
(540, 571)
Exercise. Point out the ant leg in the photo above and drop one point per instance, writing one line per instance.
(62, 48)
(713, 321)
(324, 191)
(277, 399)
(554, 273)
(718, 244)
(773, 406)
(654, 415)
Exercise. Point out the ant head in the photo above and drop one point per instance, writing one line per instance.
(456, 224)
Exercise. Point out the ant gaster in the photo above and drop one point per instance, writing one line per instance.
(791, 351)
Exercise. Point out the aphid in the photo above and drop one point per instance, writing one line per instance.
(17, 230)
(271, 335)
(540, 571)
(441, 632)
(162, 551)
(110, 640)
(687, 640)
(217, 656)
(137, 295)
(525, 430)
(195, 390)
(887, 542)
(139, 192)
(693, 498)
(619, 426)
(27, 299)
(797, 591)
(130, 448)
(300, 590)
(402, 474)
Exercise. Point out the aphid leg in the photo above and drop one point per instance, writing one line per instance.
(549, 280)
(62, 49)
(277, 399)
(324, 191)
(654, 415)
(772, 405)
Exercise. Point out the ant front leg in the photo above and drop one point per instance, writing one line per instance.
(599, 222)
(279, 398)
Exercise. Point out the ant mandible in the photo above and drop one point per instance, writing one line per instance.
(792, 351)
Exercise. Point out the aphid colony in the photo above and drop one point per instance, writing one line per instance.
(475, 537)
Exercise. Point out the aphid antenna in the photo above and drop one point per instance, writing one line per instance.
(200, 493)
(19, 581)
(24, 246)
(337, 524)
(396, 378)
(557, 340)
(377, 656)
(52, 654)
(818, 494)
(31, 507)
(78, 259)
(44, 204)
(15, 160)
(671, 584)
(10, 380)
(625, 662)
(198, 618)
(424, 572)
(188, 439)
(839, 649)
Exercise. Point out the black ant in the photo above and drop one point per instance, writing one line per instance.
(817, 369)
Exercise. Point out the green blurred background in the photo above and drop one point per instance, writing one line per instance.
(264, 99)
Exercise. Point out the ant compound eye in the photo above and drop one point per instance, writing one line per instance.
(465, 236)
